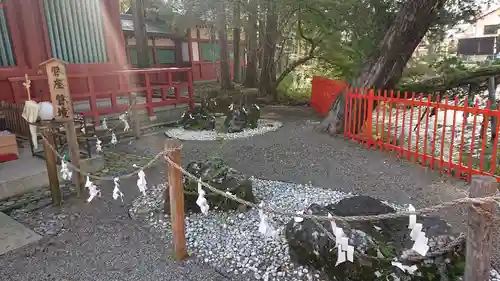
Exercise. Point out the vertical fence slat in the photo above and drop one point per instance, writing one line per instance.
(462, 138)
(403, 125)
(453, 127)
(389, 125)
(384, 109)
(347, 116)
(417, 138)
(396, 123)
(379, 105)
(471, 152)
(410, 128)
(495, 140)
(434, 132)
(426, 136)
(484, 137)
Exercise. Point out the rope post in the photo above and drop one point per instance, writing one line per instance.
(74, 152)
(479, 233)
(50, 161)
(135, 116)
(174, 195)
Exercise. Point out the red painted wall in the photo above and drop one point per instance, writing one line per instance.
(31, 46)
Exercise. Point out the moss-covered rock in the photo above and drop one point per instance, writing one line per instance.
(199, 118)
(377, 244)
(219, 175)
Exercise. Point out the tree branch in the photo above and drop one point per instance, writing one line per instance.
(302, 60)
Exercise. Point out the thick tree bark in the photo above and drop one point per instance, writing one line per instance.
(236, 42)
(384, 69)
(226, 83)
(251, 69)
(268, 73)
(262, 31)
(140, 34)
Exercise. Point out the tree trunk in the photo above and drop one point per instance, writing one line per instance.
(267, 81)
(262, 32)
(140, 34)
(224, 48)
(236, 42)
(384, 68)
(251, 69)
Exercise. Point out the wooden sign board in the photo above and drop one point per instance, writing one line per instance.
(59, 89)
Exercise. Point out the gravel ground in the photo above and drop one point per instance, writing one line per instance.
(100, 242)
(232, 242)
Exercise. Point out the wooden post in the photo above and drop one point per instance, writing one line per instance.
(135, 115)
(479, 233)
(74, 152)
(176, 198)
(50, 161)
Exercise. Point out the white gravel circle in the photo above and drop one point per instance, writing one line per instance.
(264, 126)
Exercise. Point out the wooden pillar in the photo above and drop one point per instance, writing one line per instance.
(140, 33)
(50, 162)
(175, 194)
(479, 234)
(74, 152)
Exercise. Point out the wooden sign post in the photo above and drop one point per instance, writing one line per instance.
(63, 112)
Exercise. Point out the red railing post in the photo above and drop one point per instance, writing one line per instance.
(494, 149)
(369, 117)
(149, 94)
(190, 89)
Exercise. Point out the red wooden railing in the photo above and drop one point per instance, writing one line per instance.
(445, 134)
(156, 86)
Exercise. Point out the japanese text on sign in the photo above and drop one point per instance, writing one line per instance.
(59, 91)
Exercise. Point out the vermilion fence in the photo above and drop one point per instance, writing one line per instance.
(324, 92)
(440, 133)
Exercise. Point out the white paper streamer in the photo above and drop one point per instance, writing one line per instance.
(93, 191)
(420, 245)
(114, 141)
(299, 219)
(409, 269)
(123, 118)
(98, 145)
(202, 201)
(412, 218)
(350, 253)
(417, 228)
(264, 227)
(344, 243)
(332, 222)
(339, 233)
(104, 124)
(117, 193)
(141, 182)
(65, 172)
(340, 256)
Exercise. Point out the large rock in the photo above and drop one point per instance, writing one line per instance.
(219, 175)
(376, 244)
(240, 117)
(199, 118)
